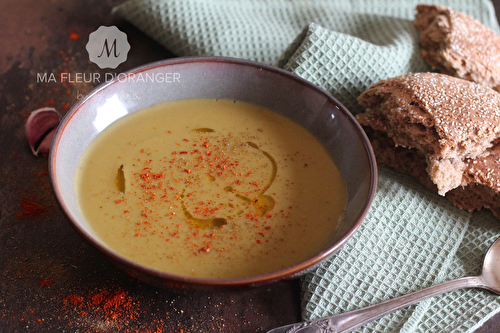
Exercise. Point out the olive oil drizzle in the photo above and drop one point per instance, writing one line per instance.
(120, 179)
(262, 202)
(202, 223)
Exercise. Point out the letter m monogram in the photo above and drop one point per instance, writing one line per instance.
(107, 47)
(109, 50)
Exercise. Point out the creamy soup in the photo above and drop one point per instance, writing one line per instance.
(210, 188)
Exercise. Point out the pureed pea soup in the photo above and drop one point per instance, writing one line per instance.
(210, 188)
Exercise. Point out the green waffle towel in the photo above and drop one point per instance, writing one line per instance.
(412, 238)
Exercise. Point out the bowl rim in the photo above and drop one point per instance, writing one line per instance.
(286, 273)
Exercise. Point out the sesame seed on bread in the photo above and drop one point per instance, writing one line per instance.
(446, 119)
(457, 44)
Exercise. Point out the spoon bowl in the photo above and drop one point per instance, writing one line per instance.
(491, 268)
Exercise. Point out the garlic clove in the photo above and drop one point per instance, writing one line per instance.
(40, 128)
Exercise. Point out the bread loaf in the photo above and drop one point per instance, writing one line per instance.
(458, 45)
(437, 127)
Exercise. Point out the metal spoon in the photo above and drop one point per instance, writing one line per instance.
(346, 322)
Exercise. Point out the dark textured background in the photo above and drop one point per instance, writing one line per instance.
(50, 279)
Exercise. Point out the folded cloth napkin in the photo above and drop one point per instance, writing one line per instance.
(412, 238)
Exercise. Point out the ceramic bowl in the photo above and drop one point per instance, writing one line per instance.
(214, 77)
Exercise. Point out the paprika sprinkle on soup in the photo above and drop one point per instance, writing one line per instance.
(210, 188)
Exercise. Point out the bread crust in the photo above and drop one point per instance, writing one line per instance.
(446, 119)
(481, 187)
(458, 45)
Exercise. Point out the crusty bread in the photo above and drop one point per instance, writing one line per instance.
(481, 186)
(405, 160)
(482, 177)
(447, 120)
(458, 45)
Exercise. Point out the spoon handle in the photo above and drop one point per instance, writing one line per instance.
(348, 321)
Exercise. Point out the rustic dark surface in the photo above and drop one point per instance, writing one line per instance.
(50, 279)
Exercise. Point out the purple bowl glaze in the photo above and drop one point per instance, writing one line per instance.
(215, 77)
